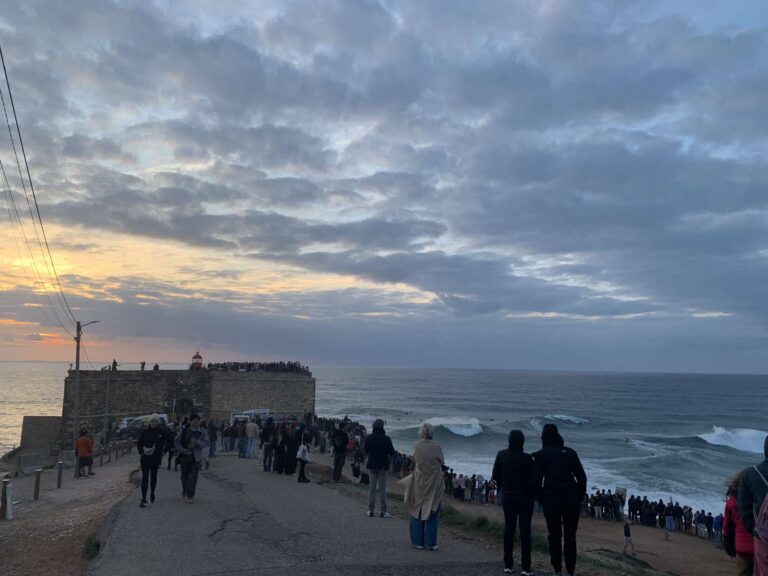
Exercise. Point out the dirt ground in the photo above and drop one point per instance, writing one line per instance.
(47, 536)
(600, 542)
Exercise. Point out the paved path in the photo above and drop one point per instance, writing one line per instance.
(248, 522)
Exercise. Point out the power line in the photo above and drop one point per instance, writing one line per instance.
(82, 344)
(32, 188)
(11, 203)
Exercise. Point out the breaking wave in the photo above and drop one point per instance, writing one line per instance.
(460, 426)
(566, 418)
(744, 439)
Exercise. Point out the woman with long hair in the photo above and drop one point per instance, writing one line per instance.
(424, 490)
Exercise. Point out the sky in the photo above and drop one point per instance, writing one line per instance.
(543, 184)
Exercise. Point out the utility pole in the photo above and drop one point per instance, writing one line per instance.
(76, 391)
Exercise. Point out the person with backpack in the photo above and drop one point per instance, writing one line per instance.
(753, 509)
(339, 439)
(561, 484)
(190, 443)
(514, 473)
(379, 448)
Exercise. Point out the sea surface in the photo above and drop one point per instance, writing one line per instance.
(676, 436)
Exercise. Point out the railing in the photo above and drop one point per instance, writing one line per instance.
(103, 453)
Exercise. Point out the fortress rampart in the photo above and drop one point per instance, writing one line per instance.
(106, 396)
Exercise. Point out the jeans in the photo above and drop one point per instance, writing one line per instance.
(517, 510)
(377, 477)
(562, 516)
(670, 523)
(338, 465)
(424, 532)
(212, 449)
(189, 469)
(269, 450)
(302, 475)
(243, 447)
(148, 476)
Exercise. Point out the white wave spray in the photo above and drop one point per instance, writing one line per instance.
(744, 439)
(460, 426)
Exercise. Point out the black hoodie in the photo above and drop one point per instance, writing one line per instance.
(559, 473)
(513, 469)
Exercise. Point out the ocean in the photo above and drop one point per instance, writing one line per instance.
(676, 436)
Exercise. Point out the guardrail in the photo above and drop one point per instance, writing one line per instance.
(104, 454)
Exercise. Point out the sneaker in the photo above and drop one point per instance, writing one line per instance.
(433, 548)
(526, 573)
(370, 513)
(143, 503)
(386, 515)
(507, 570)
(419, 547)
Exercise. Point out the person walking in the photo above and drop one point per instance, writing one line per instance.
(753, 487)
(190, 443)
(561, 484)
(252, 435)
(424, 490)
(84, 451)
(339, 440)
(736, 540)
(150, 448)
(514, 474)
(267, 434)
(379, 448)
(302, 456)
(628, 542)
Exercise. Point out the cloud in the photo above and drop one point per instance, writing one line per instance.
(525, 165)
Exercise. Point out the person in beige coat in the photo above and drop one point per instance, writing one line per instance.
(424, 490)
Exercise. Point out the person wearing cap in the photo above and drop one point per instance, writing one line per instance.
(379, 448)
(515, 475)
(150, 447)
(190, 443)
(561, 484)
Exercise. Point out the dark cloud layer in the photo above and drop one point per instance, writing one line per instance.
(597, 168)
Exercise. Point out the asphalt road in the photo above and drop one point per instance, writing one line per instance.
(246, 522)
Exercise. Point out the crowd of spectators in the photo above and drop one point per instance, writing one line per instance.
(290, 366)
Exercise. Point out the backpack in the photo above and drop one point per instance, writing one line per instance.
(338, 440)
(761, 520)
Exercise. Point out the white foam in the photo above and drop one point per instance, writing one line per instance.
(744, 439)
(535, 423)
(460, 426)
(567, 418)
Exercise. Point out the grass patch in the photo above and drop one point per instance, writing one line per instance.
(91, 547)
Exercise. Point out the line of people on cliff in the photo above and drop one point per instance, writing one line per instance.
(290, 366)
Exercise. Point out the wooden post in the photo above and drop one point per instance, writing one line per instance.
(61, 471)
(38, 474)
(4, 499)
(117, 451)
(101, 458)
(109, 453)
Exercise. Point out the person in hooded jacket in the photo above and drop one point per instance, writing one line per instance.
(150, 447)
(561, 484)
(515, 474)
(379, 448)
(753, 489)
(737, 541)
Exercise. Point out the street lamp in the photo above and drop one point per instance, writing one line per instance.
(76, 391)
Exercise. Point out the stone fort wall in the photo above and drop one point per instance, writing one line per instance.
(107, 396)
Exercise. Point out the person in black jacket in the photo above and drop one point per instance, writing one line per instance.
(514, 472)
(379, 448)
(561, 484)
(339, 440)
(150, 446)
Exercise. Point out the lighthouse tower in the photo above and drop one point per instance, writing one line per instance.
(197, 361)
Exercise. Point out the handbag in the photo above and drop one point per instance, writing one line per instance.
(147, 451)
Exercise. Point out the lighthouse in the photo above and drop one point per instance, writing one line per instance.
(197, 361)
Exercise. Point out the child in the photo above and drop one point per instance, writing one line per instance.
(628, 539)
